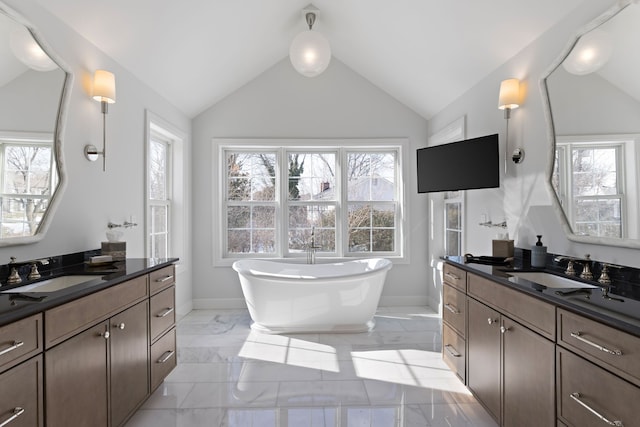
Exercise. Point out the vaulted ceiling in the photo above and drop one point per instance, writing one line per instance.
(425, 53)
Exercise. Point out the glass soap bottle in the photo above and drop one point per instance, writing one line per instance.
(538, 254)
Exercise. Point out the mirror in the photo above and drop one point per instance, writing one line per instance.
(592, 108)
(33, 94)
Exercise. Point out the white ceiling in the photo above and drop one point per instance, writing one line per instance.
(425, 53)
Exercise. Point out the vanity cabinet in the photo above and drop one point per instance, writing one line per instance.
(21, 402)
(454, 317)
(510, 358)
(162, 322)
(99, 376)
(601, 367)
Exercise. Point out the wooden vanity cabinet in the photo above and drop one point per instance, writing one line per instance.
(454, 319)
(21, 395)
(162, 320)
(510, 366)
(98, 377)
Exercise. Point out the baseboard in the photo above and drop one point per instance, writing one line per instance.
(183, 310)
(434, 304)
(218, 303)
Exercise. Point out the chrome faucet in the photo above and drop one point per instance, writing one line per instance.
(311, 248)
(14, 277)
(586, 269)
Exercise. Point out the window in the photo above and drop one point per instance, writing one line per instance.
(589, 180)
(166, 216)
(275, 199)
(28, 179)
(453, 220)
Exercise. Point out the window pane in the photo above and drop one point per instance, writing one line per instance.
(305, 219)
(598, 217)
(453, 243)
(238, 216)
(595, 171)
(27, 170)
(371, 176)
(359, 240)
(383, 216)
(311, 176)
(157, 170)
(21, 216)
(359, 215)
(453, 216)
(159, 220)
(251, 176)
(239, 241)
(383, 240)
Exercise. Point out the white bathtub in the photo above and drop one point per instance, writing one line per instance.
(297, 298)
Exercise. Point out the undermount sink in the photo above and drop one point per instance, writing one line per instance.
(55, 284)
(550, 280)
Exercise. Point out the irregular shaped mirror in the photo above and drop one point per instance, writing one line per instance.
(593, 111)
(33, 89)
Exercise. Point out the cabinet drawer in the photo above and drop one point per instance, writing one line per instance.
(68, 319)
(585, 389)
(606, 346)
(160, 279)
(532, 312)
(455, 276)
(454, 311)
(163, 314)
(453, 352)
(20, 340)
(163, 358)
(21, 395)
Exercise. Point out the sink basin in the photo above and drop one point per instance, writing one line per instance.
(55, 284)
(550, 280)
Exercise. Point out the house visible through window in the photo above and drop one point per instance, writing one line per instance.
(28, 179)
(276, 199)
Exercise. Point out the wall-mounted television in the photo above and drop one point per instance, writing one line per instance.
(463, 165)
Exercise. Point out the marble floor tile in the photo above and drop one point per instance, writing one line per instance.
(231, 376)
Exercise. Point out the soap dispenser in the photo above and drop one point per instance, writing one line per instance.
(538, 254)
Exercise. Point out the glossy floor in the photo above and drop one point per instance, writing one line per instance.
(228, 375)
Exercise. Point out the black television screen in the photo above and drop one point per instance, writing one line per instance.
(463, 165)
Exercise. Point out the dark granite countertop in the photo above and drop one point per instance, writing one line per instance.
(15, 306)
(619, 307)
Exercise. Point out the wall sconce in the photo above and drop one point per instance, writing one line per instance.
(104, 90)
(508, 100)
(310, 52)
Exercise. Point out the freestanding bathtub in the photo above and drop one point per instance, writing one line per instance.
(300, 298)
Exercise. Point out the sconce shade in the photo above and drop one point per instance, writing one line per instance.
(29, 52)
(509, 94)
(590, 53)
(104, 86)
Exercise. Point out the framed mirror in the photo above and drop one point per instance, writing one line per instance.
(592, 107)
(34, 88)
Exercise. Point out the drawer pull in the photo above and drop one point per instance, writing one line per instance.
(452, 308)
(16, 413)
(452, 276)
(13, 346)
(166, 356)
(164, 279)
(576, 397)
(452, 351)
(167, 311)
(578, 336)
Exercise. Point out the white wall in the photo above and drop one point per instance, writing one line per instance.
(523, 198)
(92, 197)
(281, 103)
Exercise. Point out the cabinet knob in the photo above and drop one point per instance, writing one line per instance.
(118, 325)
(504, 329)
(491, 321)
(105, 335)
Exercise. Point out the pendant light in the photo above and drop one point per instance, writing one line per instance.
(310, 52)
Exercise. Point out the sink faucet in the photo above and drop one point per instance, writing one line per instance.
(586, 269)
(311, 247)
(570, 271)
(14, 277)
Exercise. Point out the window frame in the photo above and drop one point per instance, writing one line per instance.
(565, 145)
(284, 147)
(28, 139)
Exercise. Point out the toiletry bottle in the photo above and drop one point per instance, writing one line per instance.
(538, 254)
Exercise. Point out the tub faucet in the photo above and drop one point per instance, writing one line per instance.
(311, 247)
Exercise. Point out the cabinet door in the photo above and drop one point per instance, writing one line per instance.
(129, 349)
(528, 370)
(21, 395)
(76, 380)
(483, 355)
